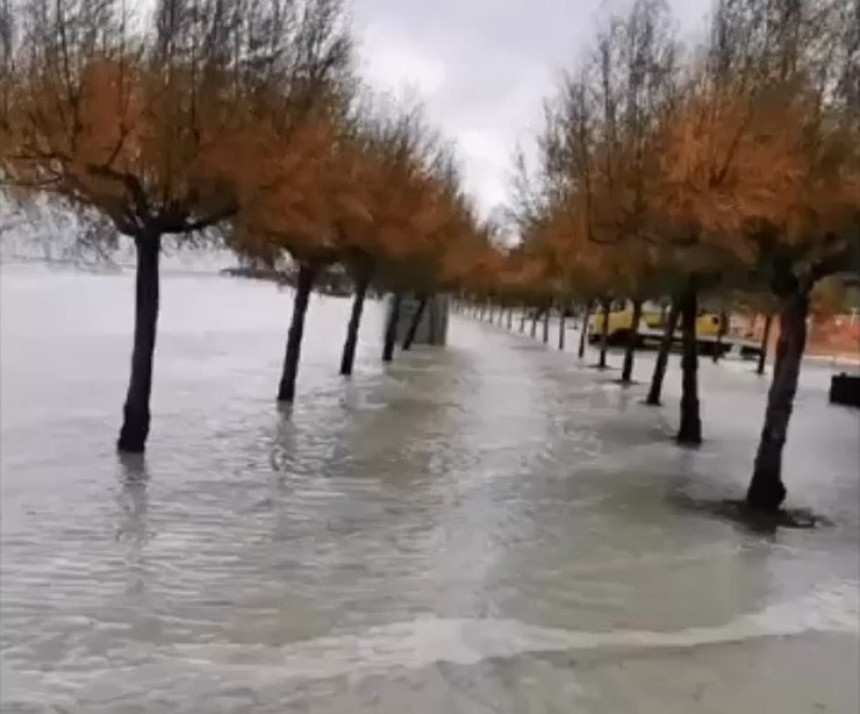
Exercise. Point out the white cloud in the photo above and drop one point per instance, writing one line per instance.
(392, 64)
(482, 67)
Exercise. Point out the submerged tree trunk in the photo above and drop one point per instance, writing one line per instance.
(765, 340)
(604, 336)
(391, 328)
(671, 324)
(348, 356)
(416, 321)
(136, 415)
(304, 284)
(690, 429)
(432, 321)
(721, 333)
(535, 319)
(583, 334)
(510, 318)
(561, 329)
(632, 341)
(523, 320)
(767, 491)
(546, 316)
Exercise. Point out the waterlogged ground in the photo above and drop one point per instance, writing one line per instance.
(486, 528)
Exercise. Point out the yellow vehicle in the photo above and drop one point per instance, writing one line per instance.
(621, 322)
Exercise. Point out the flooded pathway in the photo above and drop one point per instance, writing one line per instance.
(490, 527)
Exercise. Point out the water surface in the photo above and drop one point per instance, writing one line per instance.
(491, 527)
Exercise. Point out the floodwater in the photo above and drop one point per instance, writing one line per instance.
(489, 527)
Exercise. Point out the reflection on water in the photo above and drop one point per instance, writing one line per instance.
(485, 528)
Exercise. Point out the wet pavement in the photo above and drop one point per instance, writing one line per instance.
(489, 527)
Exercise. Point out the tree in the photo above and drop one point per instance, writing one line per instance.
(722, 169)
(423, 252)
(392, 148)
(140, 126)
(802, 68)
(761, 170)
(294, 195)
(690, 423)
(598, 161)
(662, 361)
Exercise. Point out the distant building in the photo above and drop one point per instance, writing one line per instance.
(433, 328)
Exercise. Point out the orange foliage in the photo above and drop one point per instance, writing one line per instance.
(322, 196)
(122, 140)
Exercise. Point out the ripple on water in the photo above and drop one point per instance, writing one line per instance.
(447, 532)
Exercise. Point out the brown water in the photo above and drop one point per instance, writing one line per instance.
(490, 527)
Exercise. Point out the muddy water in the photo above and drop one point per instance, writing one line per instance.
(491, 527)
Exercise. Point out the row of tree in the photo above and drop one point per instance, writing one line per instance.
(728, 173)
(732, 171)
(241, 121)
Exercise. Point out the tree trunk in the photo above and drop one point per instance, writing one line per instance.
(535, 322)
(690, 430)
(136, 415)
(604, 336)
(348, 356)
(490, 318)
(766, 491)
(510, 318)
(391, 329)
(721, 332)
(561, 329)
(765, 340)
(546, 315)
(670, 325)
(632, 340)
(304, 284)
(584, 329)
(523, 320)
(432, 319)
(416, 321)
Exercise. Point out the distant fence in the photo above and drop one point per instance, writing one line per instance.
(835, 335)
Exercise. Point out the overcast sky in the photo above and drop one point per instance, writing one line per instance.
(482, 67)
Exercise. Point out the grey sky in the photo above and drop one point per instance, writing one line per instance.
(482, 67)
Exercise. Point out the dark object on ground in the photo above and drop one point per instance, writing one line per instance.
(413, 325)
(347, 359)
(768, 522)
(765, 341)
(391, 327)
(690, 429)
(739, 511)
(305, 282)
(845, 389)
(136, 414)
(671, 323)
